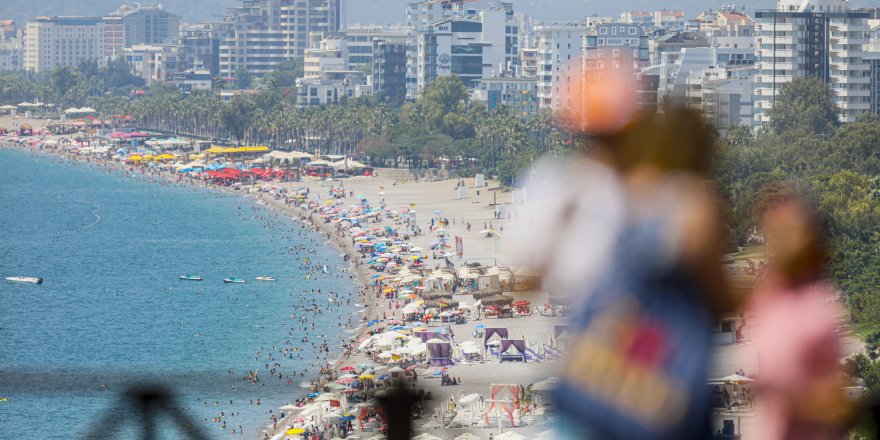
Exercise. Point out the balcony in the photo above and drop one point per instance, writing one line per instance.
(848, 27)
(850, 93)
(840, 79)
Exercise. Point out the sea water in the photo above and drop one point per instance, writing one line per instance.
(111, 311)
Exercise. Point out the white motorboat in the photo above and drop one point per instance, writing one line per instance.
(31, 280)
(234, 280)
(265, 278)
(190, 277)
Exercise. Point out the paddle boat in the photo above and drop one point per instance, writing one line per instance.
(190, 277)
(31, 280)
(234, 280)
(265, 278)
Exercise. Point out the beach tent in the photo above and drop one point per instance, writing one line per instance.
(561, 337)
(494, 333)
(512, 350)
(439, 352)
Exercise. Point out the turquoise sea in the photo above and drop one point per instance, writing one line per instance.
(112, 312)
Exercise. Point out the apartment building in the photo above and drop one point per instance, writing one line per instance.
(264, 33)
(813, 38)
(389, 70)
(559, 59)
(138, 24)
(618, 47)
(53, 42)
(468, 46)
(361, 38)
(11, 46)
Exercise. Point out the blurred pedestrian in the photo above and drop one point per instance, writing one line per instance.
(798, 346)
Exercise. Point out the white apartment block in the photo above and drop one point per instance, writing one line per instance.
(559, 59)
(812, 38)
(421, 17)
(264, 33)
(472, 47)
(330, 55)
(53, 42)
(360, 42)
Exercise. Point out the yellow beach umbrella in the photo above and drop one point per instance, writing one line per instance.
(135, 158)
(166, 156)
(294, 431)
(149, 156)
(366, 377)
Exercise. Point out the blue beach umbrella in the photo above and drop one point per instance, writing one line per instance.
(372, 323)
(479, 326)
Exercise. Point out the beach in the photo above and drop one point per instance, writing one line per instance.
(431, 200)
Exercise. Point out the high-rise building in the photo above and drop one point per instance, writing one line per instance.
(559, 59)
(470, 47)
(389, 70)
(821, 39)
(873, 59)
(197, 48)
(264, 33)
(361, 38)
(11, 46)
(421, 18)
(138, 25)
(618, 47)
(52, 42)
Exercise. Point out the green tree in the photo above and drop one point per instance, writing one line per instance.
(285, 74)
(243, 78)
(804, 104)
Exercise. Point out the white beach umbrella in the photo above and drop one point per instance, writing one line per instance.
(737, 379)
(469, 398)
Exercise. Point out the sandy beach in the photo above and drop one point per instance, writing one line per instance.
(431, 200)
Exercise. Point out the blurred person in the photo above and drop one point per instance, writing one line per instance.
(642, 333)
(798, 347)
(575, 202)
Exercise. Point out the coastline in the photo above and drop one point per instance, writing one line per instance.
(467, 217)
(359, 278)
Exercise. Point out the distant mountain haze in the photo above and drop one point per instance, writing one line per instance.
(376, 11)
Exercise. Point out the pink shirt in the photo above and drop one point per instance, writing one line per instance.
(796, 337)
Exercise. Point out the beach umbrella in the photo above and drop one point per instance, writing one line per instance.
(366, 377)
(737, 379)
(347, 368)
(347, 417)
(365, 366)
(294, 431)
(348, 376)
(346, 381)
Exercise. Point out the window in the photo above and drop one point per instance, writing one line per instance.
(603, 31)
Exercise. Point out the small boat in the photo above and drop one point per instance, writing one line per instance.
(190, 277)
(265, 278)
(234, 280)
(32, 280)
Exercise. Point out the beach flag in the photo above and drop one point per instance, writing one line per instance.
(459, 247)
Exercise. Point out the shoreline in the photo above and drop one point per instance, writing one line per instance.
(466, 215)
(359, 274)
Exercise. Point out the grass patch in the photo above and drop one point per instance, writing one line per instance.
(863, 329)
(756, 252)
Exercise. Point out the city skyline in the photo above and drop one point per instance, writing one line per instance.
(381, 12)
